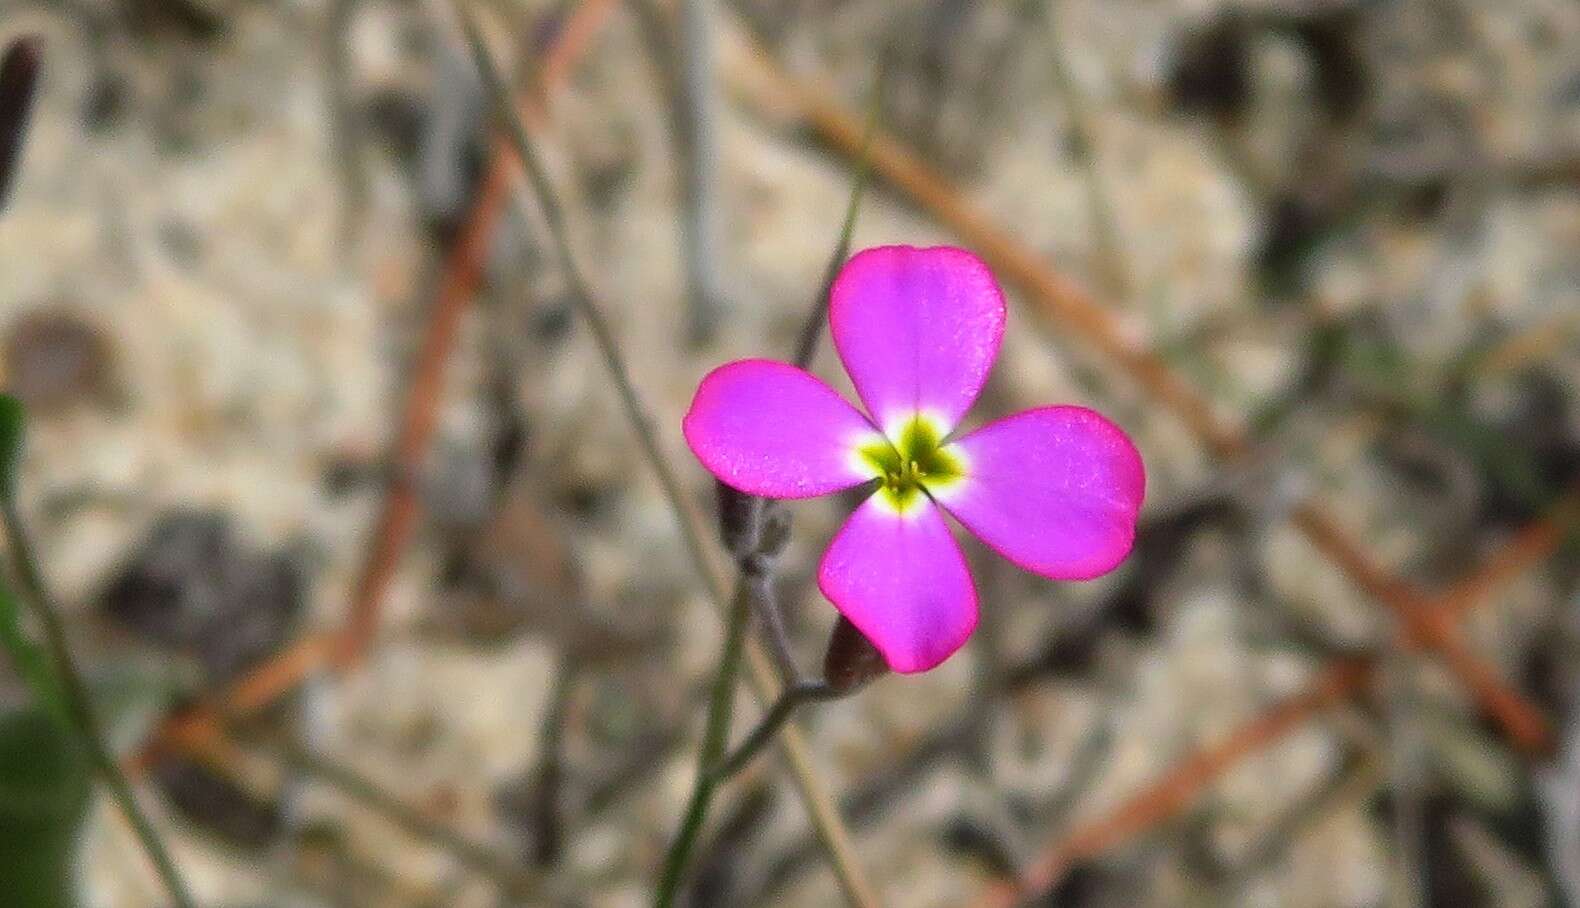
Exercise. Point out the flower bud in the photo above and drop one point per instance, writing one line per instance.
(751, 526)
(18, 80)
(851, 660)
(740, 520)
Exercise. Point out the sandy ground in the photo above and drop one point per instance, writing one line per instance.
(245, 318)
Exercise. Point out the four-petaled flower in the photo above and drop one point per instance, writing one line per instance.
(1055, 490)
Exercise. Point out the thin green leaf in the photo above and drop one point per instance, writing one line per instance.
(29, 658)
(59, 684)
(45, 782)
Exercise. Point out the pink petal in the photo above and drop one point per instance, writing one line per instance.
(902, 580)
(917, 329)
(1055, 490)
(771, 429)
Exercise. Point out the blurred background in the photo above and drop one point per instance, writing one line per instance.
(383, 606)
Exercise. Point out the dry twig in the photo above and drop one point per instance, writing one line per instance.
(1341, 680)
(1166, 797)
(277, 676)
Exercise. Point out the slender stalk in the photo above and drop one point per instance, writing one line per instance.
(343, 121)
(780, 713)
(745, 523)
(714, 739)
(814, 794)
(1406, 758)
(797, 690)
(702, 209)
(80, 705)
(766, 605)
(546, 779)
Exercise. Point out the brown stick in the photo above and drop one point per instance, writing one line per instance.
(265, 684)
(1432, 627)
(463, 273)
(1529, 546)
(1176, 789)
(397, 519)
(1169, 796)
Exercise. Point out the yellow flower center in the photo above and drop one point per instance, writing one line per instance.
(915, 463)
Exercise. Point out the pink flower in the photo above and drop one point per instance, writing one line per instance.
(1055, 490)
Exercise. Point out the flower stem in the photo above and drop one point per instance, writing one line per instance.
(814, 793)
(780, 713)
(714, 739)
(753, 589)
(79, 705)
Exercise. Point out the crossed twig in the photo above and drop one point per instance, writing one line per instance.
(462, 276)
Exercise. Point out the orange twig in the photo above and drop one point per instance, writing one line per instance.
(263, 685)
(1529, 546)
(585, 24)
(462, 274)
(463, 271)
(1178, 788)
(1071, 311)
(1432, 627)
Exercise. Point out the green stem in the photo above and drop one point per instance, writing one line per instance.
(714, 765)
(714, 740)
(780, 713)
(80, 705)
